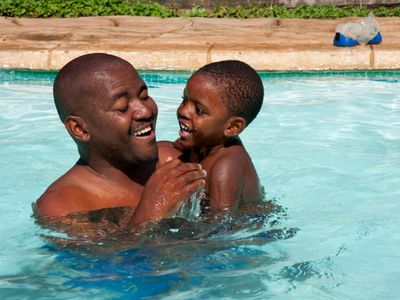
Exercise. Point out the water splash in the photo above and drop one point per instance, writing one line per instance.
(191, 209)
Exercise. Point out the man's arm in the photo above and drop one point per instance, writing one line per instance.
(166, 190)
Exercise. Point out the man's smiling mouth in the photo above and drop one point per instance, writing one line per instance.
(141, 132)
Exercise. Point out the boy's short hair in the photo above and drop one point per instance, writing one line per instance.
(240, 87)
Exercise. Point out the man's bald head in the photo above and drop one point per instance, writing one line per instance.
(76, 81)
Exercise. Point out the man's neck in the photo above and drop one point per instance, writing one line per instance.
(136, 173)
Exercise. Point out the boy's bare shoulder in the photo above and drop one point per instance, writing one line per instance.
(234, 171)
(234, 153)
(232, 160)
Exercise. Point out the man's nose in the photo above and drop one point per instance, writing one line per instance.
(141, 110)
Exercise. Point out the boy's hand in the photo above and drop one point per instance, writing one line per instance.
(167, 188)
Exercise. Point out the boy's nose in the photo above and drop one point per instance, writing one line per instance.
(183, 111)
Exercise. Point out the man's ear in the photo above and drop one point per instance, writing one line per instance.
(234, 126)
(77, 128)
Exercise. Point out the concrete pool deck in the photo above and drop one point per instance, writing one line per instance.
(187, 43)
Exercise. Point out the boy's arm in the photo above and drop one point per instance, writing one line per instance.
(225, 183)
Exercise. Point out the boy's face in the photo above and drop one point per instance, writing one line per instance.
(202, 115)
(121, 116)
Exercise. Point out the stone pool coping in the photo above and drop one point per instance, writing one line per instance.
(152, 43)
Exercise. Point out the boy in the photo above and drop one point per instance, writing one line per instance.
(220, 100)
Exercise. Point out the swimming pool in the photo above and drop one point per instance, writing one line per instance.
(327, 149)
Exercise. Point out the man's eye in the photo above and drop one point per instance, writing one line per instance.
(123, 109)
(144, 95)
(122, 104)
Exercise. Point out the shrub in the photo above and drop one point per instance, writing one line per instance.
(80, 8)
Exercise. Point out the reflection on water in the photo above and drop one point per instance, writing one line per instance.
(180, 255)
(327, 147)
(106, 231)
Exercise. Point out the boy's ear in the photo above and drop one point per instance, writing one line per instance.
(77, 128)
(235, 126)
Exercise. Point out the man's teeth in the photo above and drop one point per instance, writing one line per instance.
(141, 132)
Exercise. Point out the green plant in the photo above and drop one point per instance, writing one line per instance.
(79, 8)
(196, 11)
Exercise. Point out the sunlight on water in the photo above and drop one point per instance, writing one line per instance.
(327, 150)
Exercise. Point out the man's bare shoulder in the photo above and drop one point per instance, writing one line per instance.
(66, 195)
(165, 145)
(166, 151)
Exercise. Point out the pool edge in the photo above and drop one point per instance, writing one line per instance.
(149, 43)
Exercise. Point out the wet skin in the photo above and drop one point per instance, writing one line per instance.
(202, 116)
(209, 135)
(113, 124)
(122, 119)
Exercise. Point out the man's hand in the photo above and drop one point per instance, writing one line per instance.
(166, 190)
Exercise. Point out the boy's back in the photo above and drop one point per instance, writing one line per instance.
(232, 181)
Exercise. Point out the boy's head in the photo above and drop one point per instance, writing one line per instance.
(239, 86)
(220, 100)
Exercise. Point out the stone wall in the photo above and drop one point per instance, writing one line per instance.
(289, 3)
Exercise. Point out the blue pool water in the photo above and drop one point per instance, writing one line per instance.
(327, 150)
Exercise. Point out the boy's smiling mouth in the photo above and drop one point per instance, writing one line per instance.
(185, 130)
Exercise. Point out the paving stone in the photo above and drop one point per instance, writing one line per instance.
(188, 43)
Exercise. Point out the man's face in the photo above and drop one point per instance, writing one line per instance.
(202, 115)
(121, 116)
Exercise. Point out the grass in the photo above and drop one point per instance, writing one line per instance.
(81, 8)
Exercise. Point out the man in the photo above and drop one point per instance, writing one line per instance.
(107, 111)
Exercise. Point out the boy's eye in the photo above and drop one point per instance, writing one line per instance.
(199, 111)
(184, 99)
